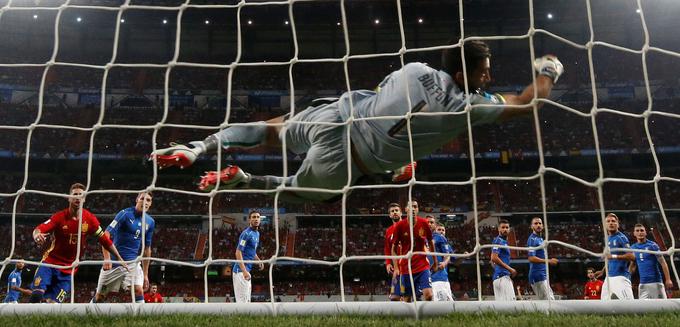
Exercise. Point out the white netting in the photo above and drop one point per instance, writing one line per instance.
(344, 258)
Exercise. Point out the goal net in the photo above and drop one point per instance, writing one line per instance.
(89, 88)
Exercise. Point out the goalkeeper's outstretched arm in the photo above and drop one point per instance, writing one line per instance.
(549, 69)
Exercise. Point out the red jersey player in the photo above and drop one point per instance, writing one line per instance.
(420, 266)
(56, 282)
(395, 288)
(153, 296)
(593, 286)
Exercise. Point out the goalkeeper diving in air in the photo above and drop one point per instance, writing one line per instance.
(437, 104)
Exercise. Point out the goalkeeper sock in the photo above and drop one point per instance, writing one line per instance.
(244, 136)
(139, 298)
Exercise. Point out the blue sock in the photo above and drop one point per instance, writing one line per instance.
(139, 298)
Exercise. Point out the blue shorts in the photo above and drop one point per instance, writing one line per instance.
(422, 280)
(53, 282)
(395, 286)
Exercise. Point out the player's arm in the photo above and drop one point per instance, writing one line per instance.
(148, 237)
(627, 256)
(41, 231)
(241, 264)
(393, 251)
(16, 286)
(261, 264)
(549, 69)
(434, 257)
(242, 243)
(110, 232)
(632, 266)
(387, 250)
(107, 244)
(668, 282)
(495, 259)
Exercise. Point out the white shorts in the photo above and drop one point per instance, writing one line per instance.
(617, 288)
(442, 291)
(503, 290)
(651, 291)
(542, 290)
(113, 279)
(242, 288)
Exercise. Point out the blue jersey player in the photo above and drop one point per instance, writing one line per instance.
(246, 250)
(128, 229)
(538, 276)
(503, 289)
(14, 289)
(373, 146)
(617, 284)
(440, 275)
(649, 266)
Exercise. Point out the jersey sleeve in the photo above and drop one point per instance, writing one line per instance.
(531, 243)
(14, 281)
(95, 227)
(148, 237)
(114, 226)
(496, 249)
(51, 223)
(486, 107)
(388, 245)
(242, 241)
(428, 232)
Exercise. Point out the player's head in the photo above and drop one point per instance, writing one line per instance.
(477, 65)
(143, 202)
(612, 222)
(537, 225)
(254, 219)
(503, 227)
(412, 206)
(640, 232)
(153, 289)
(440, 229)
(20, 265)
(394, 210)
(76, 199)
(432, 222)
(590, 272)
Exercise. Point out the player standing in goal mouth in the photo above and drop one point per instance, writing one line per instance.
(375, 145)
(55, 283)
(246, 249)
(126, 230)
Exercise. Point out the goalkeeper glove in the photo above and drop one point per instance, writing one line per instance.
(550, 66)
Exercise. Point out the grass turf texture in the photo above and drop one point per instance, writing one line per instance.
(467, 320)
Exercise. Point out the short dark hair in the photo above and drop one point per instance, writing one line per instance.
(430, 216)
(590, 268)
(392, 205)
(640, 225)
(475, 51)
(503, 221)
(252, 212)
(75, 186)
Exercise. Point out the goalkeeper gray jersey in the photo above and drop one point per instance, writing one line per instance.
(383, 144)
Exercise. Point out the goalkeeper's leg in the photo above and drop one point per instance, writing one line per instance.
(242, 136)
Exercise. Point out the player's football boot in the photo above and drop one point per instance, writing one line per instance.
(229, 177)
(176, 155)
(404, 173)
